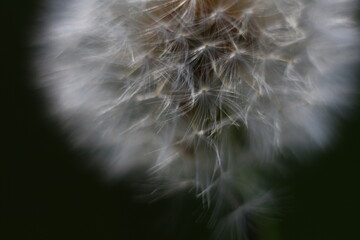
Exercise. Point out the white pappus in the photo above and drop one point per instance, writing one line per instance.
(199, 93)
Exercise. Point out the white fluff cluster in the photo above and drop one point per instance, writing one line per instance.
(198, 92)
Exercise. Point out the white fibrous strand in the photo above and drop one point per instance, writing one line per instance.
(199, 93)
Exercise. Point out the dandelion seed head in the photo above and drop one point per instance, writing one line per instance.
(198, 92)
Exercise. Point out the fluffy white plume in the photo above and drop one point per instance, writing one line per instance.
(199, 92)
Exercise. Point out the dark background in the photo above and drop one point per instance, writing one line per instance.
(47, 192)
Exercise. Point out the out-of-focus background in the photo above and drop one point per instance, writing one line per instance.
(48, 192)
